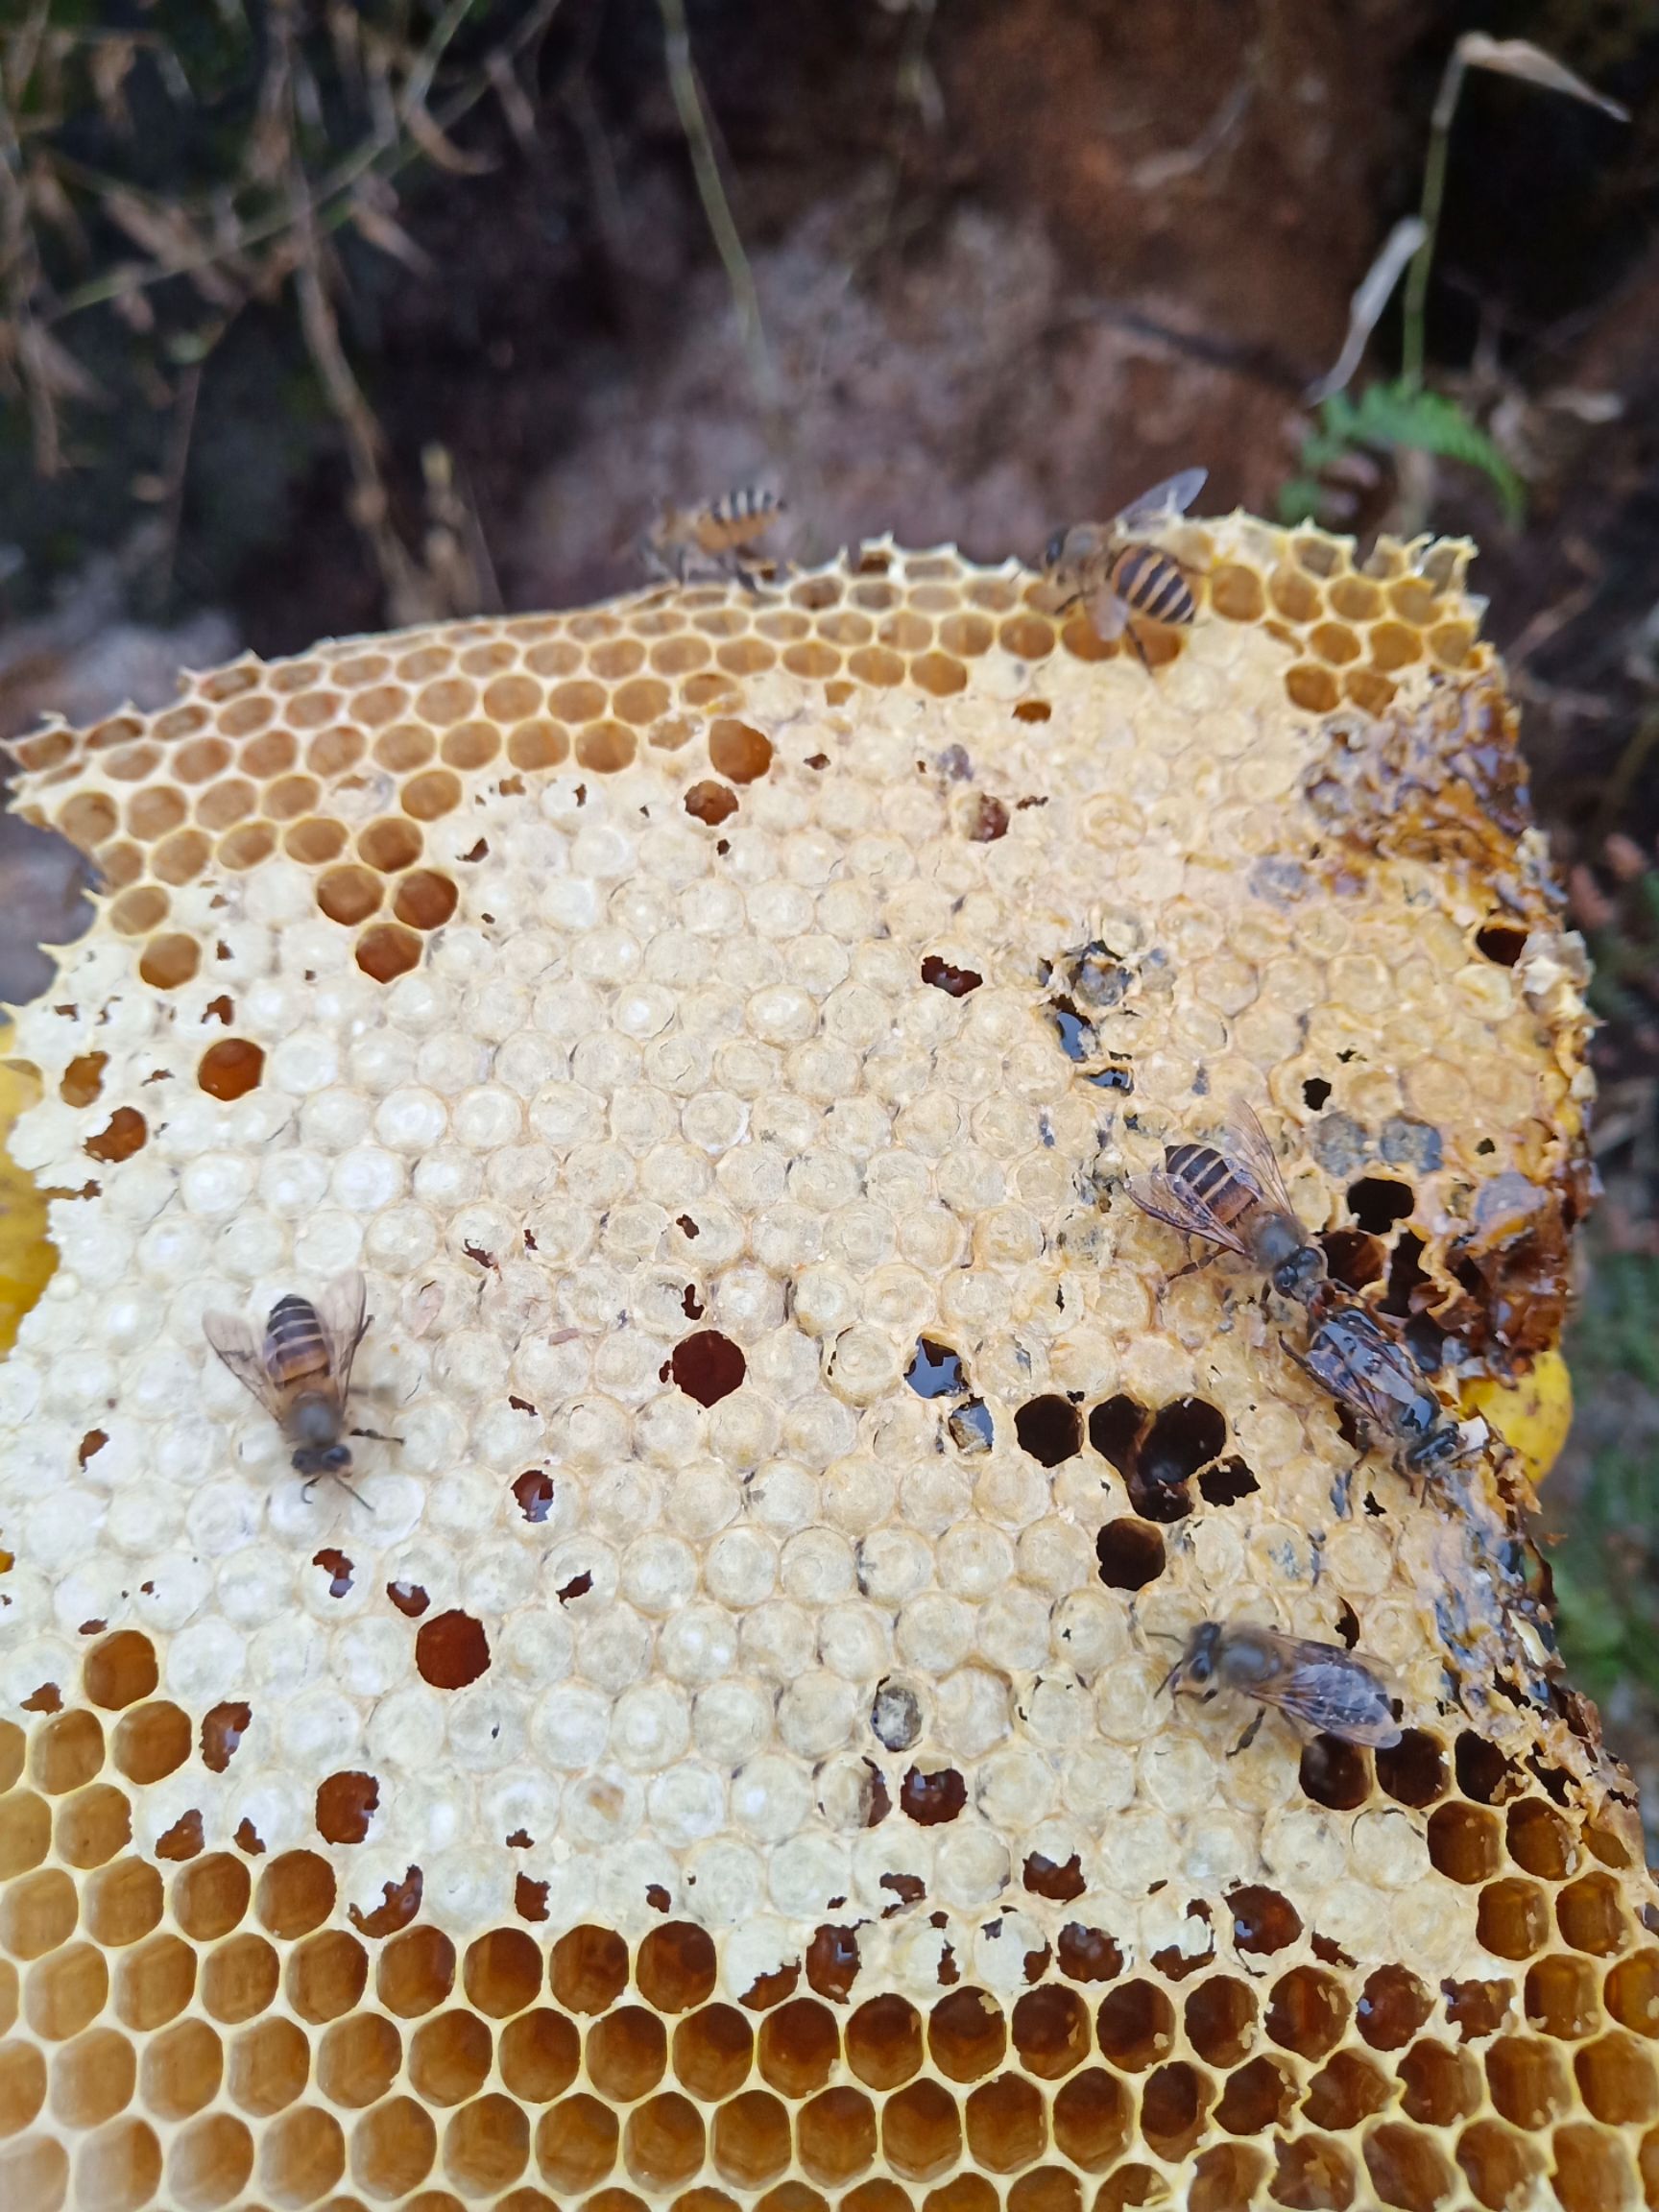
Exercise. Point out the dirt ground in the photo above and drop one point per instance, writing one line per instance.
(1014, 260)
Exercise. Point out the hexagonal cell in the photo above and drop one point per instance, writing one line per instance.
(1347, 2089)
(1560, 1997)
(211, 1896)
(1220, 2017)
(119, 2168)
(180, 2071)
(65, 1991)
(1258, 2096)
(66, 1752)
(627, 2053)
(712, 2052)
(485, 2145)
(663, 2142)
(1539, 1840)
(358, 2059)
(1091, 2118)
(25, 1833)
(296, 1895)
(270, 2065)
(1050, 2029)
(394, 2149)
(1527, 2081)
(209, 2163)
(798, 2047)
(539, 2054)
(1590, 1914)
(576, 2142)
(301, 2154)
(93, 2078)
(967, 2034)
(589, 1969)
(326, 1975)
(1617, 2081)
(884, 2042)
(155, 1981)
(502, 1973)
(151, 1741)
(1308, 2012)
(1441, 2084)
(1408, 2167)
(1136, 2025)
(22, 2085)
(1500, 2166)
(450, 2057)
(1590, 2170)
(1465, 1841)
(239, 1979)
(416, 1971)
(38, 1913)
(1513, 1918)
(921, 2131)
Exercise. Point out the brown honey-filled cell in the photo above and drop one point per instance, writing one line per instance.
(713, 2051)
(268, 2066)
(358, 2059)
(705, 1774)
(394, 2147)
(626, 2054)
(209, 2163)
(416, 1971)
(835, 2136)
(181, 2070)
(884, 2042)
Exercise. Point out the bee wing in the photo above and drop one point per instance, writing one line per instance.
(1106, 611)
(1249, 1146)
(340, 1311)
(243, 1353)
(1174, 496)
(1327, 1690)
(1157, 1195)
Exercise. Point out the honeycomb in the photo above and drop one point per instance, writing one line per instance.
(721, 1763)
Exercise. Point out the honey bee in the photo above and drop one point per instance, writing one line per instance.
(1320, 1685)
(1116, 575)
(1366, 1370)
(301, 1372)
(1235, 1196)
(717, 539)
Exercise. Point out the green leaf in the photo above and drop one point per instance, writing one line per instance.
(1299, 499)
(1394, 415)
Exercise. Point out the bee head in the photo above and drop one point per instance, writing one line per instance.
(1443, 1441)
(1054, 552)
(1301, 1274)
(1203, 1651)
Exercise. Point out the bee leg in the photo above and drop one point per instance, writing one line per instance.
(1249, 1736)
(379, 1435)
(1140, 651)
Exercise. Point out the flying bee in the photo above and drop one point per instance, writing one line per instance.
(301, 1372)
(1366, 1370)
(1116, 575)
(1319, 1686)
(1235, 1196)
(714, 540)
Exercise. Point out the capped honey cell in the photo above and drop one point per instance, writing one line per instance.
(719, 1753)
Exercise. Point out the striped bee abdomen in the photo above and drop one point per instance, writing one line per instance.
(1153, 584)
(1202, 1174)
(295, 1345)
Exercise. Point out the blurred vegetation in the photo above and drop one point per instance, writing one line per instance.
(1607, 1565)
(172, 173)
